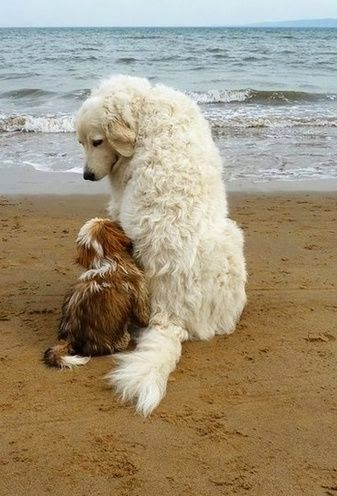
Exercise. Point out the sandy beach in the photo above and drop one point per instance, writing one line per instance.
(255, 413)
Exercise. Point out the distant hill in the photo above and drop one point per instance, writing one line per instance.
(302, 23)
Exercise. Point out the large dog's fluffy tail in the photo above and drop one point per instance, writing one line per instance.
(60, 356)
(141, 376)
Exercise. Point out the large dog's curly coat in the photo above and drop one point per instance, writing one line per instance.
(168, 195)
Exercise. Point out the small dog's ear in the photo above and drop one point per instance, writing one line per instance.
(123, 240)
(84, 256)
(114, 239)
(128, 245)
(119, 134)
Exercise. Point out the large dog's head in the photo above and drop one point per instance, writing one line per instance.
(107, 124)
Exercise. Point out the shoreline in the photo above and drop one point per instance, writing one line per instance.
(29, 182)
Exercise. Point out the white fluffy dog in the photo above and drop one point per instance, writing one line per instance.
(168, 195)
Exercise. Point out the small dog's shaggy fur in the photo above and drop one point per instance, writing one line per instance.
(168, 195)
(111, 293)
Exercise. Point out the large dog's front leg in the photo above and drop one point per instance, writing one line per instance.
(141, 376)
(118, 181)
(114, 205)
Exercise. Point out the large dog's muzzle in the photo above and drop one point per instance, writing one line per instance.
(88, 175)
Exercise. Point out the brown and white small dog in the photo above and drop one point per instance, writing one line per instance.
(110, 295)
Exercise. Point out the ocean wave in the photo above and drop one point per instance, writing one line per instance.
(221, 56)
(220, 127)
(74, 170)
(219, 96)
(81, 94)
(26, 92)
(84, 58)
(258, 96)
(38, 167)
(143, 37)
(251, 58)
(48, 168)
(75, 58)
(211, 96)
(126, 60)
(18, 75)
(43, 124)
(175, 58)
(89, 48)
(219, 121)
(216, 50)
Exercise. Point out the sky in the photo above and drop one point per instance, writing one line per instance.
(159, 12)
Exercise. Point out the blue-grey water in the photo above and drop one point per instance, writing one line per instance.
(270, 94)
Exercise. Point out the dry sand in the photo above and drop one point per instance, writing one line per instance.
(252, 414)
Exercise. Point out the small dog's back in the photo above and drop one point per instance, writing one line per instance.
(107, 297)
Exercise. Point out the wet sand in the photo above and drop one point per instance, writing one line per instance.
(28, 181)
(255, 413)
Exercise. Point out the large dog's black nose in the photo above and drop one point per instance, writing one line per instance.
(89, 176)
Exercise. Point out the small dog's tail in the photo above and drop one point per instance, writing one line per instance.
(142, 375)
(60, 356)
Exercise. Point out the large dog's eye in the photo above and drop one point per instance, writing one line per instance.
(97, 142)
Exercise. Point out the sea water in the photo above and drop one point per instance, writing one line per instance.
(270, 95)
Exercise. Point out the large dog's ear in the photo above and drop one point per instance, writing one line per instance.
(119, 134)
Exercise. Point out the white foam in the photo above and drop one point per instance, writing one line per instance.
(74, 170)
(220, 96)
(46, 168)
(38, 167)
(42, 124)
(245, 121)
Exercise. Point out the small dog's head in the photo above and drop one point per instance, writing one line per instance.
(100, 239)
(106, 124)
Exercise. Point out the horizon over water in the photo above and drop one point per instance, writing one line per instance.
(270, 94)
